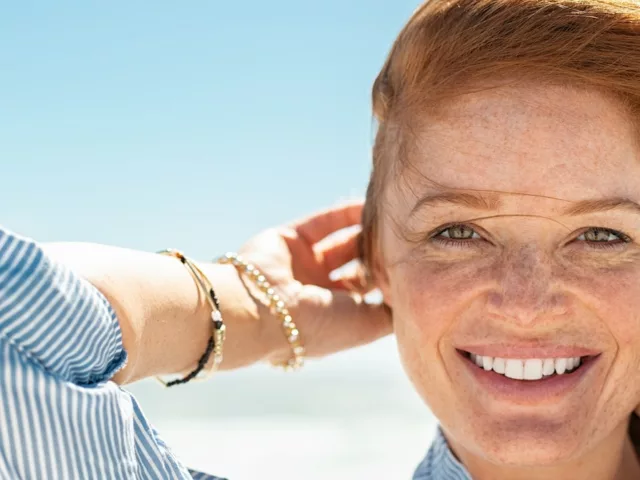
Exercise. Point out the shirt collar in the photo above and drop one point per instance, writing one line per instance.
(440, 463)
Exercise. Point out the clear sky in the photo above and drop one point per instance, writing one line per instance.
(150, 124)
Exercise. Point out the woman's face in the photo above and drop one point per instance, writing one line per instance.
(515, 236)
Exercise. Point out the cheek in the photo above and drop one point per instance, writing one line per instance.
(428, 297)
(427, 294)
(613, 295)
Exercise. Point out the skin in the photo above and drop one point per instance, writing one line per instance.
(531, 152)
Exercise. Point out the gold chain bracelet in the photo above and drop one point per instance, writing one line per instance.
(275, 304)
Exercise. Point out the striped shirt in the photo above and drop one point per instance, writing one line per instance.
(60, 343)
(440, 463)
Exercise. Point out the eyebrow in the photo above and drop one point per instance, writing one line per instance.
(603, 205)
(491, 201)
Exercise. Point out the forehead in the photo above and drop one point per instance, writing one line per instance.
(551, 141)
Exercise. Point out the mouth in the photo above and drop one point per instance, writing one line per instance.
(528, 369)
(531, 381)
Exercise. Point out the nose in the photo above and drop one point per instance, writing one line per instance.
(526, 291)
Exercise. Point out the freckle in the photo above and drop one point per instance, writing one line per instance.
(494, 299)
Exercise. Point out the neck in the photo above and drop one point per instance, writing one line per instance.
(613, 459)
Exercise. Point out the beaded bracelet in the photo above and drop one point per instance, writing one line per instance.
(275, 304)
(216, 342)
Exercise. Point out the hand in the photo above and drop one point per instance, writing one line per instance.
(297, 260)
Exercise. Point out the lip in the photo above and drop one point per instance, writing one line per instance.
(530, 392)
(524, 351)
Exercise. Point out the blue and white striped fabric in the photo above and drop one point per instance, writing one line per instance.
(440, 463)
(60, 343)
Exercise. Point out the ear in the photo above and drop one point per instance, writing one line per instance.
(376, 276)
(380, 278)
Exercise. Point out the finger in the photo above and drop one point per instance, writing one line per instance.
(352, 283)
(315, 228)
(340, 321)
(339, 251)
(356, 282)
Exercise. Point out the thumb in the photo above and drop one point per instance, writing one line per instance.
(332, 321)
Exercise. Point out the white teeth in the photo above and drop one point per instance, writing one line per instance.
(487, 363)
(526, 369)
(499, 365)
(549, 367)
(514, 369)
(561, 365)
(533, 369)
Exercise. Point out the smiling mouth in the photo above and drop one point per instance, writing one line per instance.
(530, 369)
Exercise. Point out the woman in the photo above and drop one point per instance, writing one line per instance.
(501, 225)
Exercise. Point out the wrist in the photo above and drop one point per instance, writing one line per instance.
(278, 303)
(250, 337)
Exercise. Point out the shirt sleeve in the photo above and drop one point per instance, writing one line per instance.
(60, 343)
(55, 318)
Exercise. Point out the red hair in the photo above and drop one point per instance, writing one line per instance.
(450, 47)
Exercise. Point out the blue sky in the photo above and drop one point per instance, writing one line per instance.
(186, 124)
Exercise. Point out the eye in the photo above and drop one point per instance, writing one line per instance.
(598, 237)
(455, 235)
(459, 232)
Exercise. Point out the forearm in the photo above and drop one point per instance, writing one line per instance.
(164, 318)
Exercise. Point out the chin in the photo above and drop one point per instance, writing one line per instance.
(526, 442)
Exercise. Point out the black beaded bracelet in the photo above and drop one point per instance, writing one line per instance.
(216, 341)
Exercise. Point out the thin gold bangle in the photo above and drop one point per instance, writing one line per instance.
(216, 342)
